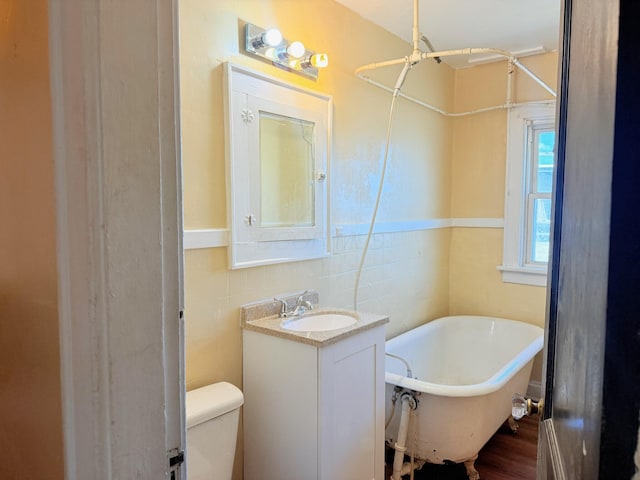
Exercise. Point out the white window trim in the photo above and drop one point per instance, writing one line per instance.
(514, 268)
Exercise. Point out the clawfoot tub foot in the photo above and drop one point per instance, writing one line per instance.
(472, 473)
(513, 425)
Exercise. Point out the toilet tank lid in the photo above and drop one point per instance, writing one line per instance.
(209, 402)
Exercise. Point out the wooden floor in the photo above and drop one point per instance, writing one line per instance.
(505, 457)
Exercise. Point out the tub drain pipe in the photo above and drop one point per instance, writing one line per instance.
(408, 403)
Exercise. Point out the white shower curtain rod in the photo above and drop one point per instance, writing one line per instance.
(417, 56)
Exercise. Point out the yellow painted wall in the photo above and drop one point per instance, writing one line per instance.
(406, 274)
(478, 190)
(30, 403)
(413, 263)
(439, 168)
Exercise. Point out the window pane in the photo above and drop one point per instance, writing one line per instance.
(540, 231)
(545, 160)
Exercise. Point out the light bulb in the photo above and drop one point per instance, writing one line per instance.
(296, 50)
(317, 60)
(320, 60)
(272, 37)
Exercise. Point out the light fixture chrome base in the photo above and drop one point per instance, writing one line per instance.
(277, 54)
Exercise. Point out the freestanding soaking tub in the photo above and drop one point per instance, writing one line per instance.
(465, 369)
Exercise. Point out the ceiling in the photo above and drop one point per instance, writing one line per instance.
(513, 25)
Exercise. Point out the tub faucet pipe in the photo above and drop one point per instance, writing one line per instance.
(408, 403)
(406, 364)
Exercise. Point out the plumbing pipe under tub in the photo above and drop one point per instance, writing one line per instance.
(408, 403)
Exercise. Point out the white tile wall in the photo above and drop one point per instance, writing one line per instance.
(405, 277)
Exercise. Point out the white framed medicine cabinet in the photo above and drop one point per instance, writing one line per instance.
(278, 143)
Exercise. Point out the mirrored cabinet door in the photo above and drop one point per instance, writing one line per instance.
(278, 156)
(287, 171)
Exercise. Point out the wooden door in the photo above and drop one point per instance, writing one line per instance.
(589, 424)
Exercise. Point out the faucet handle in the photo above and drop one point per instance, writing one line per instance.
(305, 304)
(522, 406)
(283, 306)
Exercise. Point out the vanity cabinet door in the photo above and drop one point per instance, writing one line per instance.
(351, 389)
(280, 411)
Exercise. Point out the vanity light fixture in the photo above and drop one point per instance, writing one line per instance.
(292, 56)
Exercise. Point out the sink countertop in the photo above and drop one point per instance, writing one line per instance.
(270, 323)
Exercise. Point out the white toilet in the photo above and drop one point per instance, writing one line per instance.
(212, 428)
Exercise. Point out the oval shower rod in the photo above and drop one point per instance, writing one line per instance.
(417, 56)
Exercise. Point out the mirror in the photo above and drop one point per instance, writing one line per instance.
(286, 171)
(278, 144)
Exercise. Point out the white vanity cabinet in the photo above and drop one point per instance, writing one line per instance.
(314, 411)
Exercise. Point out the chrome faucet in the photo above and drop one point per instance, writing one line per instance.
(283, 307)
(300, 308)
(302, 305)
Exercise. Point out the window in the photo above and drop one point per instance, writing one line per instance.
(530, 163)
(540, 140)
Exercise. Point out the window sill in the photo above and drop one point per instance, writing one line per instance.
(524, 275)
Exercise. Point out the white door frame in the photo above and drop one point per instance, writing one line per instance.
(114, 84)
